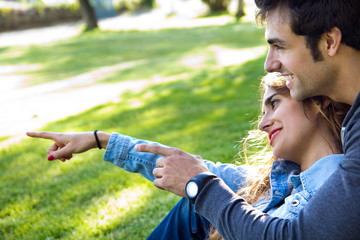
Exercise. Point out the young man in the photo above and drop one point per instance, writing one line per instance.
(316, 44)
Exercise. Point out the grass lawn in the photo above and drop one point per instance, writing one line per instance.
(204, 113)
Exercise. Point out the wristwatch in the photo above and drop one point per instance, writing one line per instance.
(196, 184)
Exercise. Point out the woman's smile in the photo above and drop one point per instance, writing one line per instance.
(273, 134)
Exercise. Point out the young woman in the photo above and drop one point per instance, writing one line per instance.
(306, 133)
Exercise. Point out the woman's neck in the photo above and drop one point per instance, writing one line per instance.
(316, 149)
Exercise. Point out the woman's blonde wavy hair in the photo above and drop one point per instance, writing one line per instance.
(334, 114)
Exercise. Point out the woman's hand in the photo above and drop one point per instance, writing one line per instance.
(66, 144)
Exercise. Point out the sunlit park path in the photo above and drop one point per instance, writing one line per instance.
(190, 86)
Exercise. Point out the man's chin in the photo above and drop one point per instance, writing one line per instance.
(296, 95)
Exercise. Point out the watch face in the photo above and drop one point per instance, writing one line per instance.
(192, 189)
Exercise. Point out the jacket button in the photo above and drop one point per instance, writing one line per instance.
(294, 203)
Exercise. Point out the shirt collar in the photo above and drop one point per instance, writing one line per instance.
(315, 176)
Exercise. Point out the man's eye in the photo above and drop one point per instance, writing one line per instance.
(277, 47)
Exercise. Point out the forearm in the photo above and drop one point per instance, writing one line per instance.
(235, 176)
(233, 217)
(120, 152)
(333, 213)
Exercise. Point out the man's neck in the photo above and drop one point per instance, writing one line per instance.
(348, 81)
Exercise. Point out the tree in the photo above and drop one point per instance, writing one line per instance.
(240, 9)
(148, 3)
(217, 5)
(88, 14)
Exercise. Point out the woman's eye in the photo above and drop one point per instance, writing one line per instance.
(274, 102)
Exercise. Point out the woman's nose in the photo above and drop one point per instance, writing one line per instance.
(265, 123)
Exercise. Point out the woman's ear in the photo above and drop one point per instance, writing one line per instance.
(322, 102)
(325, 103)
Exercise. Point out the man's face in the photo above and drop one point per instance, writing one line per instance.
(289, 56)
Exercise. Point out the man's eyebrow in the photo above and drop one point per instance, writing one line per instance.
(275, 40)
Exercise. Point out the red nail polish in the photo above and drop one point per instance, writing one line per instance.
(50, 157)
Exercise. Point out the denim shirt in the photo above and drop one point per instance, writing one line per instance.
(288, 185)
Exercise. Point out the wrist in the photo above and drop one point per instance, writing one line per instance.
(102, 139)
(196, 184)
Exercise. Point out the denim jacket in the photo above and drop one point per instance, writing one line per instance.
(288, 185)
(291, 189)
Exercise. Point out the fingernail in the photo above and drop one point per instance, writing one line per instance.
(51, 157)
(69, 156)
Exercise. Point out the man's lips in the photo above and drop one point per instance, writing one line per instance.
(273, 134)
(289, 79)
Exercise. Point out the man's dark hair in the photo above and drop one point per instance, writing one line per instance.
(313, 18)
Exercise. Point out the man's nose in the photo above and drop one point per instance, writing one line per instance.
(272, 64)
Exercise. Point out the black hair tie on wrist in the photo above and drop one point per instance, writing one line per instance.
(97, 139)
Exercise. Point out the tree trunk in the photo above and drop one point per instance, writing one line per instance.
(88, 14)
(217, 5)
(240, 9)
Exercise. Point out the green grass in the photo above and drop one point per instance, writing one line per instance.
(205, 113)
(154, 52)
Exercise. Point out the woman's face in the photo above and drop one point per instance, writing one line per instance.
(290, 129)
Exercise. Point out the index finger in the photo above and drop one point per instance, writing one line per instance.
(156, 149)
(46, 135)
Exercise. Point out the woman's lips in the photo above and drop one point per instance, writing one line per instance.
(273, 134)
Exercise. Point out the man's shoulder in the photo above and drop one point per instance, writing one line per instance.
(353, 115)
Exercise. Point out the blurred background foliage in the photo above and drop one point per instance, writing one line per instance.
(22, 14)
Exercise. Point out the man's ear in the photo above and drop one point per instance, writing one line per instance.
(333, 41)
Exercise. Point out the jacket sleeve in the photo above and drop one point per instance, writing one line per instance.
(332, 213)
(234, 176)
(120, 152)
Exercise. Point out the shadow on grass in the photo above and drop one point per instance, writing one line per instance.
(204, 114)
(3, 49)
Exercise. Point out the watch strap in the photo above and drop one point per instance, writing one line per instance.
(201, 180)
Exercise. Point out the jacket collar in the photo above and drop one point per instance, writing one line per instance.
(315, 176)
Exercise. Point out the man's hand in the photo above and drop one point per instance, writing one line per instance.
(175, 169)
